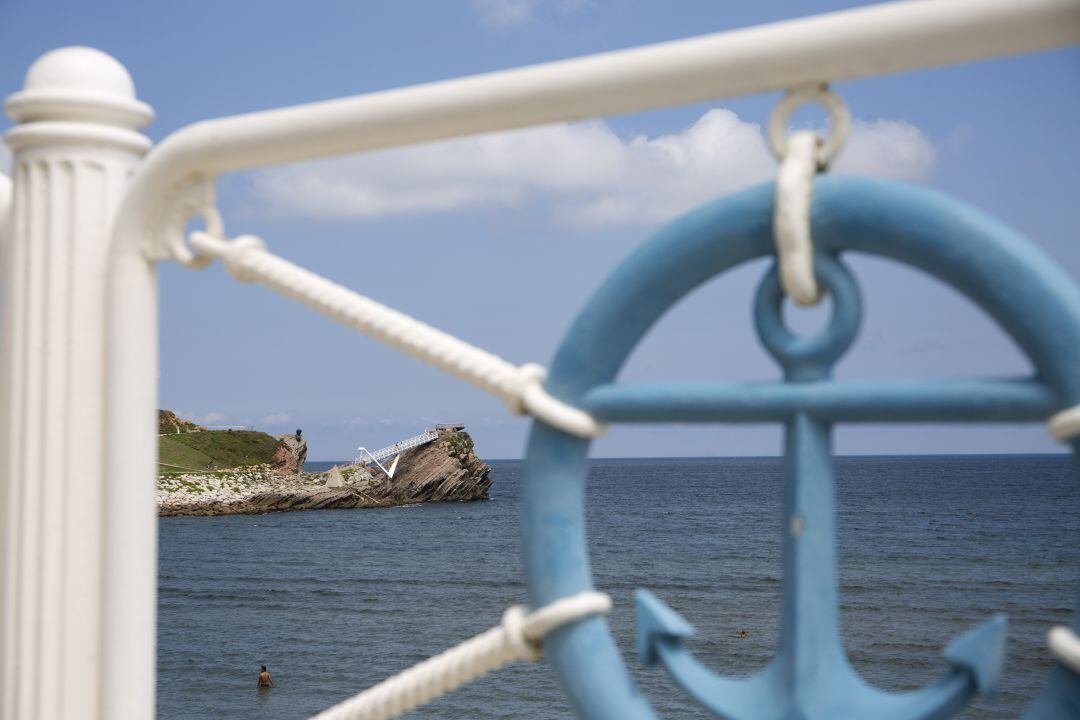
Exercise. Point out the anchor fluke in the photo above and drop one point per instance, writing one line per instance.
(977, 658)
(981, 651)
(656, 622)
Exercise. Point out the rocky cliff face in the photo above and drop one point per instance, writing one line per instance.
(290, 454)
(442, 471)
(446, 470)
(170, 422)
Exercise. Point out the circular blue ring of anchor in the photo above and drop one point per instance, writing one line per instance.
(801, 355)
(1032, 299)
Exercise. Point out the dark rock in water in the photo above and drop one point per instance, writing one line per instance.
(446, 470)
(304, 500)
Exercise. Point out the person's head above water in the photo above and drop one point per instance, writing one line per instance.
(263, 669)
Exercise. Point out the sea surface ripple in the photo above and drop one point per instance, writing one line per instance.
(334, 601)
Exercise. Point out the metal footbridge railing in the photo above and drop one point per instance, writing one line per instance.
(407, 444)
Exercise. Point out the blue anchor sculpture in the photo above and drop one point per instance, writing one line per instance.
(809, 677)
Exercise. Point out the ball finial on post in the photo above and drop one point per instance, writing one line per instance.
(77, 85)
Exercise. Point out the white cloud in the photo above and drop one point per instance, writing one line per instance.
(504, 13)
(209, 418)
(584, 172)
(887, 148)
(278, 418)
(510, 13)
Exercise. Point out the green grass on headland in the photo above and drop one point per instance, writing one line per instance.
(194, 451)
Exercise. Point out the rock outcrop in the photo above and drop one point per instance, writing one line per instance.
(446, 470)
(290, 454)
(170, 422)
(184, 447)
(443, 471)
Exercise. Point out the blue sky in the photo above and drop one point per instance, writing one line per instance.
(500, 239)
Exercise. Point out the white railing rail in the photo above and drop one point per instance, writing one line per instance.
(51, 575)
(876, 40)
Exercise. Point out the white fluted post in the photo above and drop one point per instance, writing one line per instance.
(75, 147)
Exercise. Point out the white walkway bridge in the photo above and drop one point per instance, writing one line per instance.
(401, 446)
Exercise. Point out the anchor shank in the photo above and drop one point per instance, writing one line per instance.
(810, 633)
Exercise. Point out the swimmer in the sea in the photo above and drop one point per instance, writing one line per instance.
(264, 678)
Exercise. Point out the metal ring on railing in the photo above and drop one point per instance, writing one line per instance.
(215, 226)
(192, 199)
(839, 122)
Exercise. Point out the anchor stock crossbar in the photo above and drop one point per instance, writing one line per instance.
(96, 574)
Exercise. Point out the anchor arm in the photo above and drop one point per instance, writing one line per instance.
(660, 632)
(977, 657)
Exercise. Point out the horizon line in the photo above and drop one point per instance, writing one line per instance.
(777, 457)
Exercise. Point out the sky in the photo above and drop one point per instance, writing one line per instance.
(501, 238)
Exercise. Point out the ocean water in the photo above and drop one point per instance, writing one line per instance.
(334, 601)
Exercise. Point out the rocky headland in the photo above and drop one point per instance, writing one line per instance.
(445, 470)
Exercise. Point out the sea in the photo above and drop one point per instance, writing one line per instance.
(333, 601)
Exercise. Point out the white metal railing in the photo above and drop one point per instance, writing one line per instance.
(94, 575)
(400, 446)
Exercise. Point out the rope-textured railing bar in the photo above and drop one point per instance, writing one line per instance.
(520, 388)
(1065, 646)
(801, 157)
(791, 218)
(518, 637)
(1065, 425)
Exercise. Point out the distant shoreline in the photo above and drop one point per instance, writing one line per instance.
(444, 471)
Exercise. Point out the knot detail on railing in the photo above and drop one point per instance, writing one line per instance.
(1065, 425)
(1065, 646)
